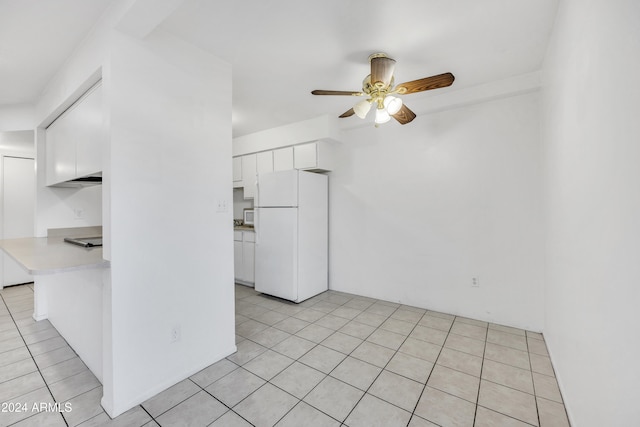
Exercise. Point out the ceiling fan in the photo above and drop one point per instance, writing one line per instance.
(379, 88)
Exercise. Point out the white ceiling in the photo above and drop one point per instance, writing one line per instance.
(36, 37)
(280, 50)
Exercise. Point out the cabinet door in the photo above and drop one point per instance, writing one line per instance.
(237, 261)
(264, 162)
(248, 257)
(237, 170)
(90, 133)
(283, 159)
(305, 156)
(60, 150)
(249, 175)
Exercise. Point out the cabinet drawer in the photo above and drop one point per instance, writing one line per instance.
(249, 236)
(237, 236)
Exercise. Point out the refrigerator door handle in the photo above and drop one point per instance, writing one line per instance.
(256, 225)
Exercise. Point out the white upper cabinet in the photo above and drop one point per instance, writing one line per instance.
(249, 170)
(283, 159)
(74, 140)
(315, 156)
(264, 162)
(237, 172)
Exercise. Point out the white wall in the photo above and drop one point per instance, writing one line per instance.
(169, 160)
(592, 134)
(17, 117)
(416, 211)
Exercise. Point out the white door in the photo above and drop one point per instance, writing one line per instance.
(278, 189)
(276, 252)
(18, 204)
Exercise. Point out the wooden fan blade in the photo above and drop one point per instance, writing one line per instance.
(382, 70)
(347, 113)
(428, 83)
(405, 115)
(336, 92)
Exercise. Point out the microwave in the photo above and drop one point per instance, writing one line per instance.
(248, 217)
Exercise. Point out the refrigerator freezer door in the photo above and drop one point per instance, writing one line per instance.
(276, 257)
(277, 189)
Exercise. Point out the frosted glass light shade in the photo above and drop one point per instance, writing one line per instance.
(382, 116)
(392, 104)
(362, 108)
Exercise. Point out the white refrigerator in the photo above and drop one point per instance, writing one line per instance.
(292, 227)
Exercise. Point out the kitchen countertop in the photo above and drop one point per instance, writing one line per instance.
(47, 255)
(243, 228)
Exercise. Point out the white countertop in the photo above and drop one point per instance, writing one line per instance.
(47, 255)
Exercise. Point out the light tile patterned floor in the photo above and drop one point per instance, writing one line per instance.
(336, 359)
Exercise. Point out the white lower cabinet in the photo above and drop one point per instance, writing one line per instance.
(244, 256)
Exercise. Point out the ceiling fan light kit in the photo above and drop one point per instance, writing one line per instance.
(379, 88)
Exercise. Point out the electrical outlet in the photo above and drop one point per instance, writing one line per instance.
(221, 206)
(475, 282)
(175, 333)
(78, 213)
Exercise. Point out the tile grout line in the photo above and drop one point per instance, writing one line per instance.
(34, 362)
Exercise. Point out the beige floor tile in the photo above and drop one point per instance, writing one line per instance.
(55, 356)
(398, 326)
(14, 355)
(306, 415)
(460, 361)
(488, 418)
(234, 387)
(422, 349)
(84, 407)
(454, 382)
(357, 329)
(250, 327)
(541, 364)
(373, 412)
(552, 414)
(444, 409)
(396, 389)
(294, 347)
(230, 419)
(508, 329)
(508, 401)
(411, 367)
(26, 402)
(356, 373)
(380, 309)
(315, 333)
(270, 317)
(460, 319)
(247, 350)
(537, 346)
(507, 340)
(20, 386)
(547, 387)
(266, 406)
(268, 364)
(507, 375)
(309, 315)
(465, 344)
(269, 337)
(47, 346)
(342, 342)
(63, 370)
(17, 369)
(322, 358)
(298, 379)
(408, 315)
(333, 397)
(506, 355)
(387, 339)
(359, 304)
(535, 335)
(133, 417)
(349, 312)
(291, 325)
(169, 398)
(48, 419)
(416, 421)
(332, 322)
(325, 306)
(40, 336)
(373, 353)
(468, 330)
(370, 318)
(425, 333)
(213, 373)
(436, 322)
(200, 410)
